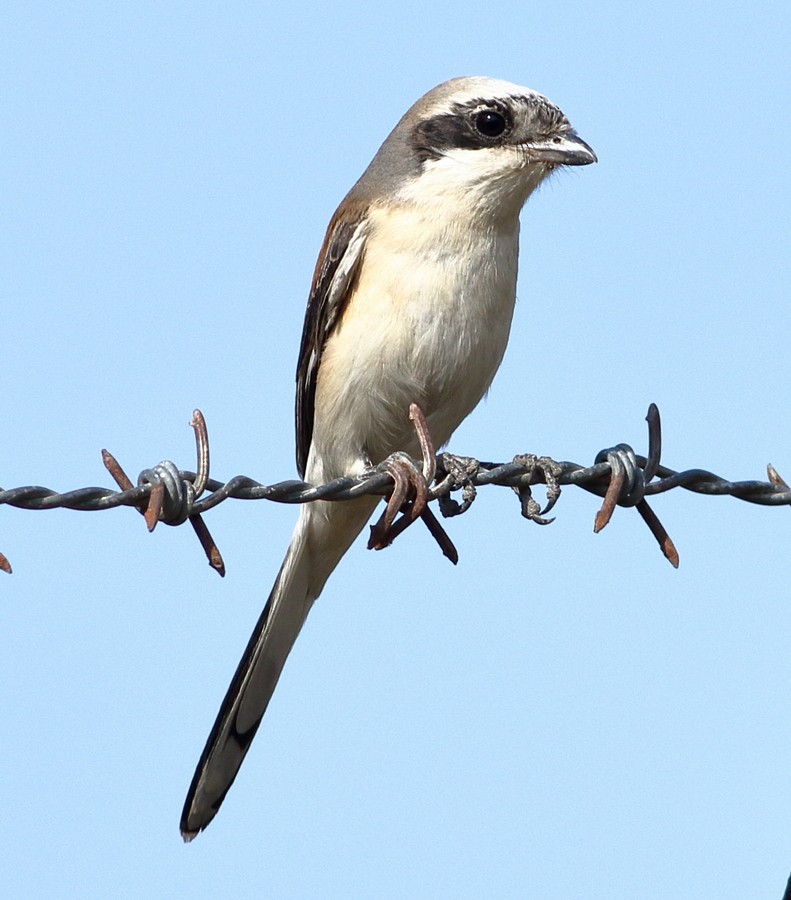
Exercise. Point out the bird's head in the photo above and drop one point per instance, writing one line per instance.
(479, 143)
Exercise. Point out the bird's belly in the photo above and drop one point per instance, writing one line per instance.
(430, 331)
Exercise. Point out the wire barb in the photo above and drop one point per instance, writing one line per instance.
(619, 476)
(774, 477)
(404, 473)
(172, 496)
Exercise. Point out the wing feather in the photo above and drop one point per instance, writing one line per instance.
(333, 280)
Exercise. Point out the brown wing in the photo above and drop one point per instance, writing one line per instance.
(333, 279)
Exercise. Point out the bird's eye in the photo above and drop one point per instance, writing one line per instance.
(490, 123)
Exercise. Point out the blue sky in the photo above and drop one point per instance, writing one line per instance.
(561, 716)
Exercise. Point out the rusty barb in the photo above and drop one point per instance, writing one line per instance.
(621, 477)
(171, 498)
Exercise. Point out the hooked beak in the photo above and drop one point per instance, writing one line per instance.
(567, 149)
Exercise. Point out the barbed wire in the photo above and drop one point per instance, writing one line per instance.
(165, 493)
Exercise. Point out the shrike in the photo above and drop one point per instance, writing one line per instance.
(411, 302)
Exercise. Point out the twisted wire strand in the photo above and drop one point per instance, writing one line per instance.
(165, 493)
(241, 487)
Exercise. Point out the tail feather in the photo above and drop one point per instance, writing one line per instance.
(310, 559)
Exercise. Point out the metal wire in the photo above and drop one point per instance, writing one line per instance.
(167, 494)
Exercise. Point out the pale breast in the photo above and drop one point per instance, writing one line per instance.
(428, 323)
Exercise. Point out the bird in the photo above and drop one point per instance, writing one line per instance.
(411, 302)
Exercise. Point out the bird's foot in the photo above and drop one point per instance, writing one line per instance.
(550, 471)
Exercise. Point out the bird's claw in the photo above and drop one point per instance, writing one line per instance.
(550, 470)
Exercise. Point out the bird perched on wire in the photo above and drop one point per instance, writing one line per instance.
(411, 303)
